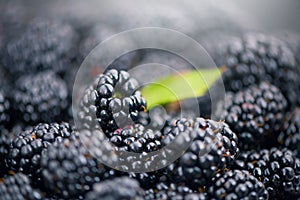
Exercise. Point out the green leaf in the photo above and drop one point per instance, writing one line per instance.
(180, 86)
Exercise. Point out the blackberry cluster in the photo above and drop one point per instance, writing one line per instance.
(167, 190)
(213, 149)
(41, 97)
(44, 46)
(16, 187)
(256, 58)
(277, 169)
(113, 100)
(5, 110)
(255, 114)
(236, 184)
(117, 188)
(26, 148)
(289, 136)
(261, 77)
(69, 170)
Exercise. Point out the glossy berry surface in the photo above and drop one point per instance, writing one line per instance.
(257, 57)
(255, 114)
(237, 184)
(277, 169)
(25, 150)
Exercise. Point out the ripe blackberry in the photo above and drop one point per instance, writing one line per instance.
(5, 140)
(137, 139)
(167, 190)
(69, 170)
(147, 179)
(16, 187)
(41, 97)
(44, 46)
(277, 169)
(213, 149)
(290, 132)
(5, 110)
(113, 101)
(236, 184)
(256, 58)
(255, 114)
(117, 188)
(26, 148)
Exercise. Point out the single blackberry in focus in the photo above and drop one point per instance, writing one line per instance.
(289, 136)
(167, 190)
(16, 187)
(5, 110)
(69, 170)
(213, 149)
(26, 148)
(117, 188)
(113, 101)
(256, 58)
(255, 114)
(44, 46)
(236, 184)
(41, 97)
(277, 169)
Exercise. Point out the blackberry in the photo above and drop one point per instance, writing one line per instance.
(236, 184)
(41, 97)
(167, 190)
(69, 170)
(277, 169)
(16, 187)
(256, 58)
(113, 101)
(44, 46)
(255, 114)
(213, 149)
(290, 133)
(137, 139)
(5, 140)
(147, 179)
(117, 188)
(5, 110)
(26, 148)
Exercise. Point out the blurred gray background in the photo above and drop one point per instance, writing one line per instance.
(207, 21)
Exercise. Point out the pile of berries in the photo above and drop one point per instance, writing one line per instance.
(253, 152)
